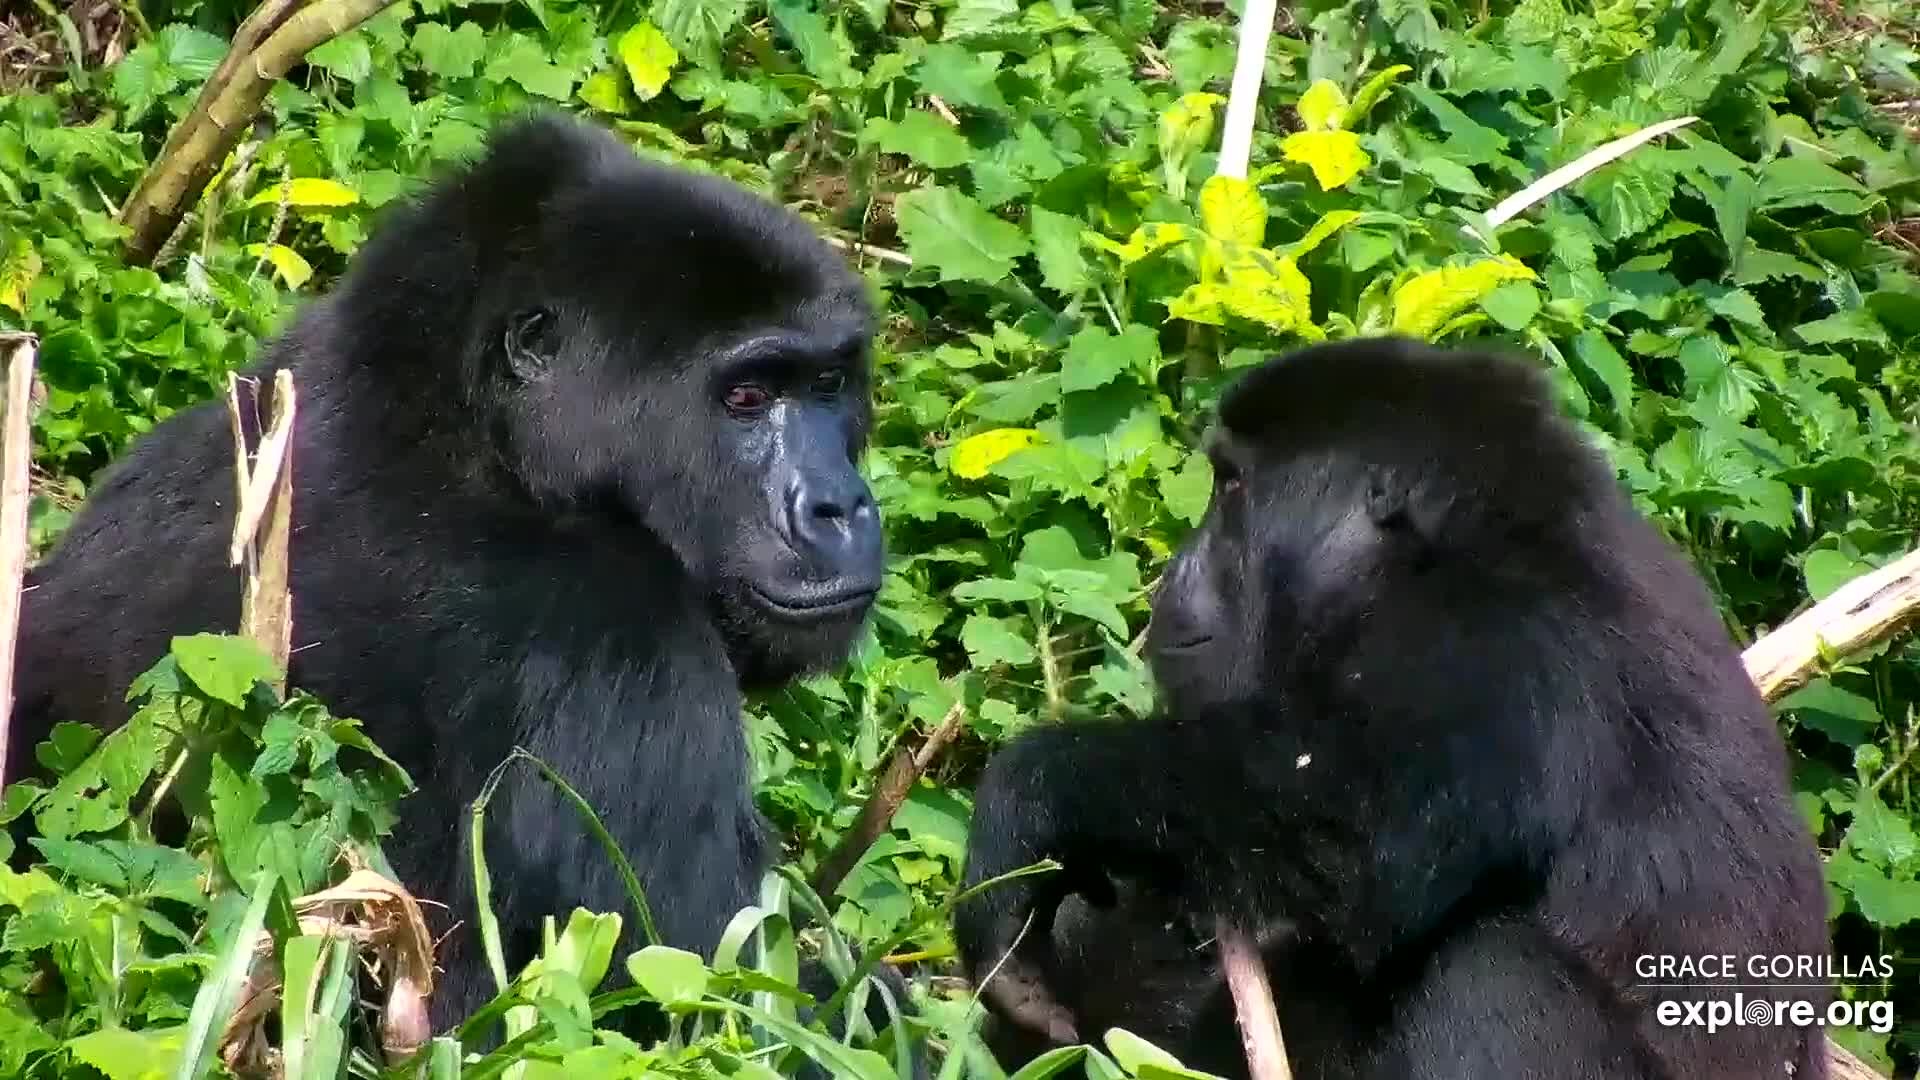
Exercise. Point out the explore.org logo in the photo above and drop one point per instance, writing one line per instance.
(1727, 980)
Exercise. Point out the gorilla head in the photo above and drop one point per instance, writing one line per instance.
(1342, 476)
(732, 362)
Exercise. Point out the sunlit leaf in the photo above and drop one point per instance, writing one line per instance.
(975, 454)
(307, 192)
(1423, 303)
(1334, 156)
(1323, 107)
(648, 57)
(1232, 210)
(292, 267)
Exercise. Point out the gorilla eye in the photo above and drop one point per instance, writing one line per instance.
(747, 399)
(829, 382)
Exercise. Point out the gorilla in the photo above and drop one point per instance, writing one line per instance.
(1447, 725)
(575, 467)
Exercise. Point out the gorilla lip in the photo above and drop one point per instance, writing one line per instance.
(1190, 643)
(838, 603)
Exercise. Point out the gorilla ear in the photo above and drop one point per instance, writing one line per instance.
(529, 343)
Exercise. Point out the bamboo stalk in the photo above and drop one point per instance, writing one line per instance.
(16, 452)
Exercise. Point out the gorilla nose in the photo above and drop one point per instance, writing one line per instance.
(836, 523)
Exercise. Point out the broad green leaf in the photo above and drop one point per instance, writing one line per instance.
(670, 976)
(1334, 156)
(1423, 303)
(955, 236)
(288, 263)
(124, 1054)
(990, 641)
(697, 28)
(306, 192)
(995, 589)
(1323, 107)
(960, 76)
(524, 60)
(1886, 901)
(1595, 353)
(449, 53)
(1056, 246)
(1232, 210)
(975, 454)
(927, 139)
(1187, 492)
(224, 667)
(1512, 305)
(649, 59)
(821, 52)
(1095, 357)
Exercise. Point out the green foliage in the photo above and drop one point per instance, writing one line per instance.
(1731, 311)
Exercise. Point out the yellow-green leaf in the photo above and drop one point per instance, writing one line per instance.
(1323, 107)
(1201, 303)
(1334, 156)
(1231, 210)
(18, 271)
(1423, 303)
(649, 58)
(288, 263)
(975, 454)
(1370, 94)
(1269, 291)
(1145, 240)
(1331, 222)
(607, 91)
(306, 192)
(1185, 128)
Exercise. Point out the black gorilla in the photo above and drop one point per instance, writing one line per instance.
(1447, 723)
(575, 464)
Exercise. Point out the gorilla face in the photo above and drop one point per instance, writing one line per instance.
(741, 375)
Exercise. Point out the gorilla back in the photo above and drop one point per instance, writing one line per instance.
(575, 462)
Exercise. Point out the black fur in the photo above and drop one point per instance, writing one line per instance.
(529, 509)
(1448, 723)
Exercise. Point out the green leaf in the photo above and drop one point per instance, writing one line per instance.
(521, 59)
(1095, 357)
(449, 53)
(1604, 363)
(1231, 210)
(1826, 570)
(348, 58)
(990, 641)
(668, 975)
(1885, 901)
(697, 28)
(1512, 305)
(960, 76)
(1794, 181)
(649, 59)
(956, 236)
(926, 139)
(224, 667)
(123, 1054)
(1056, 244)
(824, 57)
(1857, 325)
(995, 589)
(1841, 715)
(1371, 93)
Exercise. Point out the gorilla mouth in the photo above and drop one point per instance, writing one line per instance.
(1188, 644)
(815, 605)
